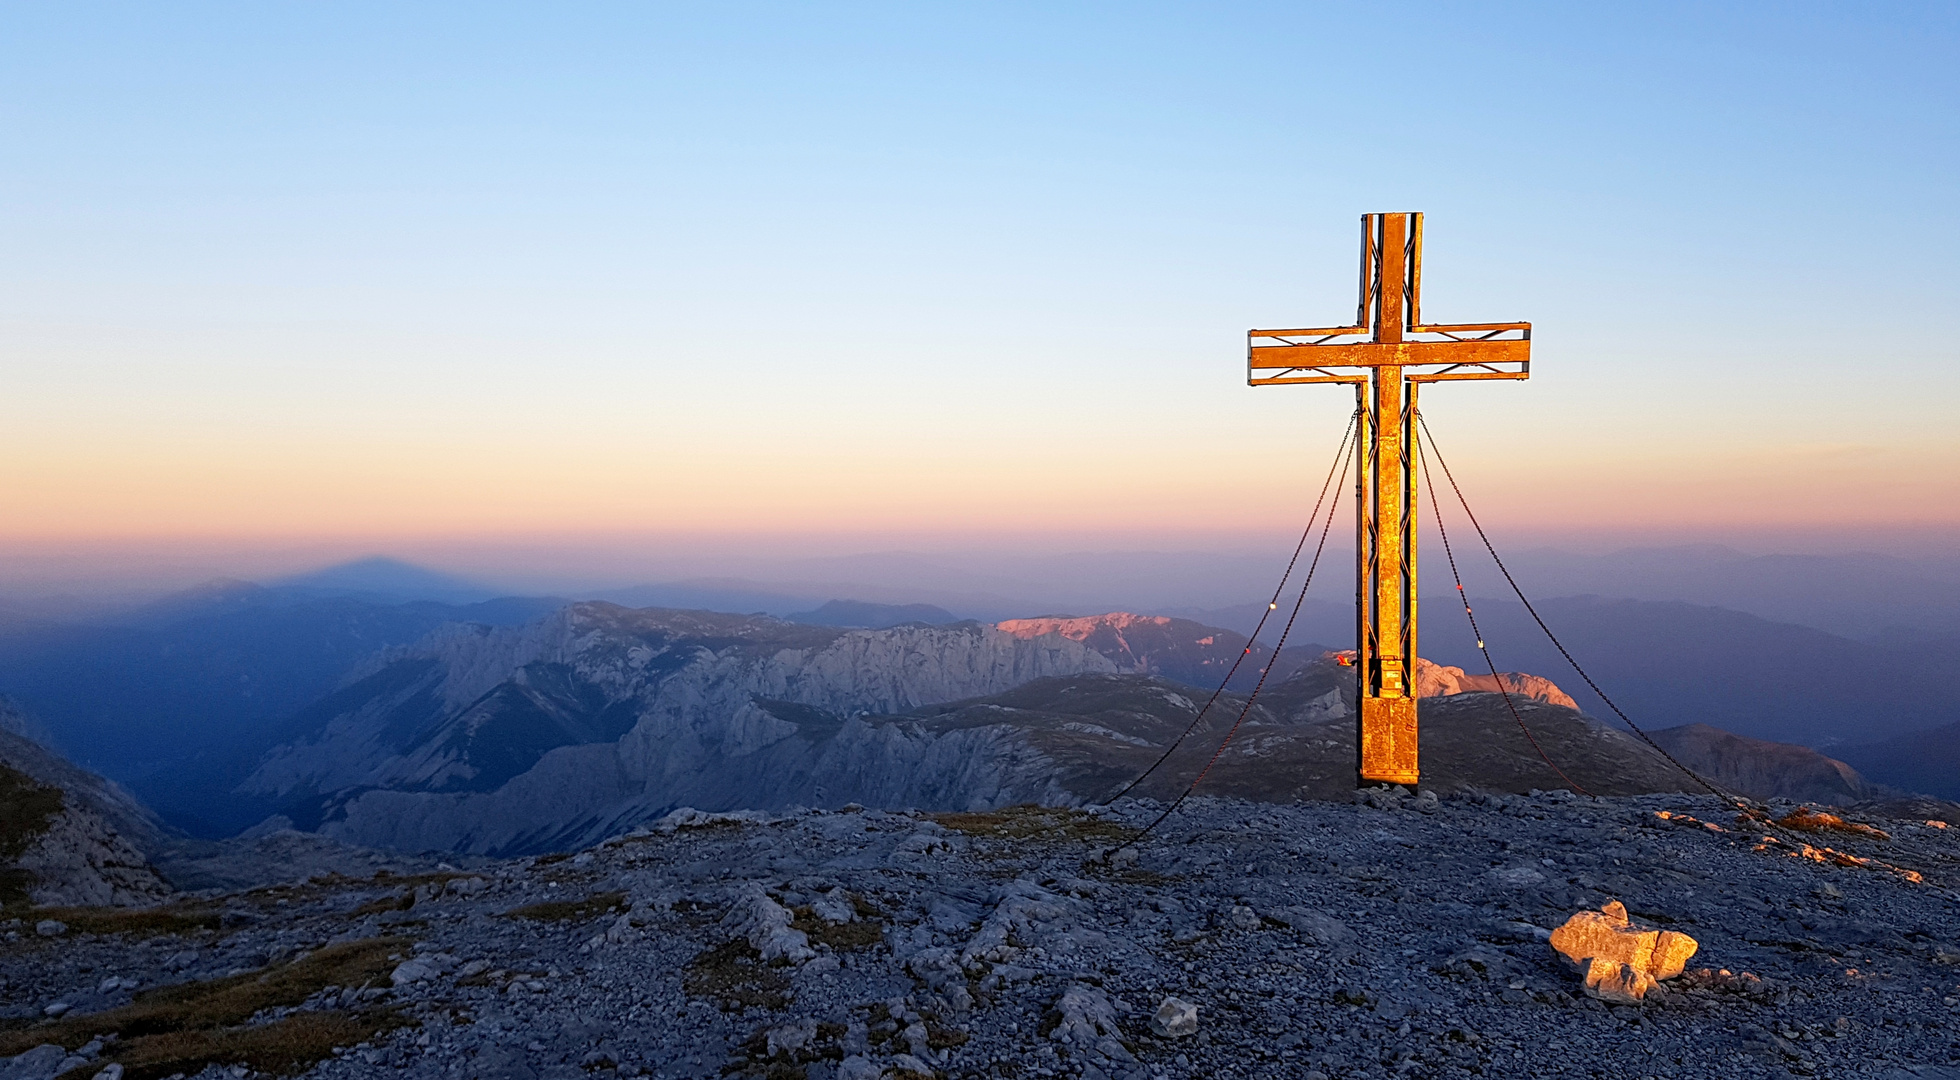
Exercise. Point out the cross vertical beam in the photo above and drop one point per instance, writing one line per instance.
(1385, 504)
(1399, 354)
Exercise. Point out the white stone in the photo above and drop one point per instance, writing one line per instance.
(790, 1037)
(1175, 1018)
(835, 906)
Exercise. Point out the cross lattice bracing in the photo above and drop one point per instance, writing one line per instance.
(1387, 354)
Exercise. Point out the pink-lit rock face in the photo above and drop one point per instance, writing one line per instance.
(1181, 649)
(1077, 629)
(1619, 961)
(1435, 680)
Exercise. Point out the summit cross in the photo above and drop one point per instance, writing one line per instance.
(1397, 353)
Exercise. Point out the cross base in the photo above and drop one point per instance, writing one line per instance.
(1388, 740)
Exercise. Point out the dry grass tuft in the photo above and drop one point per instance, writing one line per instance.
(569, 910)
(285, 1047)
(214, 1004)
(1034, 823)
(940, 1038)
(735, 975)
(862, 934)
(381, 905)
(171, 919)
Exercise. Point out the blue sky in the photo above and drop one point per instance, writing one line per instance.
(347, 274)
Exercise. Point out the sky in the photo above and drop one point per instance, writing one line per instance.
(521, 286)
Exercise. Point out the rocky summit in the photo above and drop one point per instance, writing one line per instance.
(1391, 936)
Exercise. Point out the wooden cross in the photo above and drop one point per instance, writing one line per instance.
(1399, 354)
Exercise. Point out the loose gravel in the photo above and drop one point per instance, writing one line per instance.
(1396, 936)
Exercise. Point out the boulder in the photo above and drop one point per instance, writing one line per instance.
(36, 1063)
(1175, 1018)
(1323, 929)
(766, 925)
(1620, 962)
(1085, 1014)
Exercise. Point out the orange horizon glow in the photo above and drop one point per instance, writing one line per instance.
(127, 495)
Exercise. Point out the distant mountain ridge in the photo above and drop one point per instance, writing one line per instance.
(384, 578)
(863, 615)
(1671, 663)
(1760, 768)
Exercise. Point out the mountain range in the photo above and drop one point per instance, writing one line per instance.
(226, 705)
(503, 741)
(514, 739)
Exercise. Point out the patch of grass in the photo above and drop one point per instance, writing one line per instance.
(735, 976)
(862, 934)
(939, 1038)
(171, 919)
(778, 1068)
(27, 811)
(383, 904)
(1030, 822)
(219, 1003)
(285, 1047)
(403, 897)
(568, 910)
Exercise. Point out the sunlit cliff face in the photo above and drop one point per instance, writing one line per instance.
(1079, 629)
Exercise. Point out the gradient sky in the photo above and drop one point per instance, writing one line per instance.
(354, 276)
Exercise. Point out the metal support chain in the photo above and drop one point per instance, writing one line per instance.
(1271, 606)
(1436, 511)
(1617, 711)
(1253, 698)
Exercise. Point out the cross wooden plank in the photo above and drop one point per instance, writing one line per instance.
(1399, 353)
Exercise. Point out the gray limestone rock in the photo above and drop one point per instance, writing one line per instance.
(1175, 1018)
